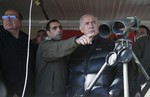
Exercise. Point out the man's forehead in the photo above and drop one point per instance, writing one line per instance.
(11, 12)
(89, 19)
(54, 24)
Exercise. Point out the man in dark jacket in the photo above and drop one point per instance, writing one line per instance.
(13, 56)
(141, 48)
(86, 61)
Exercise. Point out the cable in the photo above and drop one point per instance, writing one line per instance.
(27, 61)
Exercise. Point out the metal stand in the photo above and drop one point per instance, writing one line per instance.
(123, 45)
(125, 55)
(122, 53)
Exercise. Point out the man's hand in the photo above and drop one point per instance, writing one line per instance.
(85, 39)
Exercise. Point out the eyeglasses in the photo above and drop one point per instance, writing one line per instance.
(10, 17)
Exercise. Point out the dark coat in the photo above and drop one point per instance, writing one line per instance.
(89, 59)
(51, 67)
(13, 57)
(141, 49)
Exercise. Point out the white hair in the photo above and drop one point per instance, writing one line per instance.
(81, 19)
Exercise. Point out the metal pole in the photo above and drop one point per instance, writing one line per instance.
(141, 67)
(125, 79)
(96, 77)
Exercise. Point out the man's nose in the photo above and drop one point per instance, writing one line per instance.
(91, 26)
(8, 19)
(58, 29)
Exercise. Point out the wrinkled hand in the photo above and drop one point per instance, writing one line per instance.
(85, 39)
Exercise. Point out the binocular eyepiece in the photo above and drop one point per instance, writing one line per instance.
(119, 27)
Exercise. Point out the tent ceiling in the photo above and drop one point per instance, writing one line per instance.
(69, 11)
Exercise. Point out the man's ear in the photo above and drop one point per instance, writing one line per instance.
(81, 29)
(47, 32)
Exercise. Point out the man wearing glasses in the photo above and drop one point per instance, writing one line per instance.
(13, 55)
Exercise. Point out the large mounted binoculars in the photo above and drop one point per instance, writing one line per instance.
(119, 26)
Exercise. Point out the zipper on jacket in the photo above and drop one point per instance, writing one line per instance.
(52, 89)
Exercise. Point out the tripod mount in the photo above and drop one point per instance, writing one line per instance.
(122, 53)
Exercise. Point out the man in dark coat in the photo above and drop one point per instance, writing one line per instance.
(13, 56)
(86, 61)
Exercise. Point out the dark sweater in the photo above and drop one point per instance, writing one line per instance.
(89, 59)
(13, 57)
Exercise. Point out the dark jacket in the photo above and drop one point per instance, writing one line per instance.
(141, 49)
(13, 57)
(88, 60)
(51, 67)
